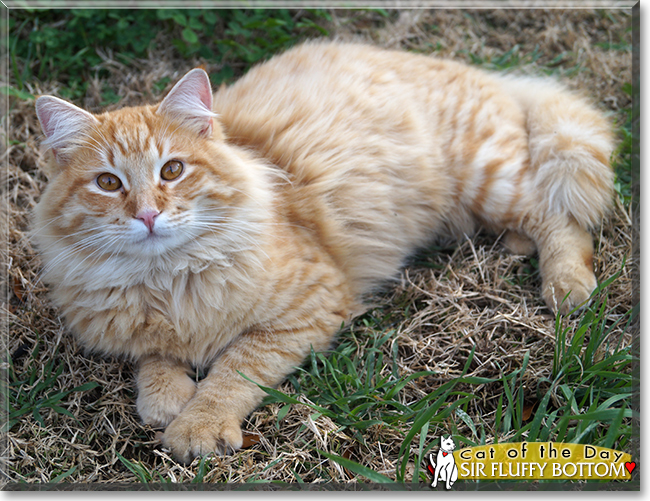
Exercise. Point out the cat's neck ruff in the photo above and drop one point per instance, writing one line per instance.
(157, 271)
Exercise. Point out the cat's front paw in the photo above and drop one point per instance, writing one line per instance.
(160, 402)
(197, 432)
(576, 287)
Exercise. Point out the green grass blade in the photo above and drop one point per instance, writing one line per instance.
(614, 430)
(418, 461)
(355, 467)
(539, 416)
(134, 468)
(63, 475)
(467, 420)
(198, 479)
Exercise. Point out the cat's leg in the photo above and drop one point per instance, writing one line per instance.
(211, 422)
(453, 475)
(518, 243)
(447, 475)
(565, 259)
(437, 475)
(566, 185)
(164, 388)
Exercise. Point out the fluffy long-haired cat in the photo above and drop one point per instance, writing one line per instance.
(235, 231)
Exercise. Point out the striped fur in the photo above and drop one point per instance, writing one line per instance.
(321, 172)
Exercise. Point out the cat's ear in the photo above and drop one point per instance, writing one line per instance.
(63, 124)
(190, 100)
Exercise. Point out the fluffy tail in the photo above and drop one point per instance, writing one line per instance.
(570, 144)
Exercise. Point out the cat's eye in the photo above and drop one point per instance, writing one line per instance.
(109, 182)
(171, 170)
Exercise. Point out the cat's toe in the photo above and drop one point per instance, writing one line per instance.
(200, 433)
(565, 294)
(159, 406)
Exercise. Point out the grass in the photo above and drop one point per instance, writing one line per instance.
(37, 390)
(74, 45)
(462, 344)
(586, 400)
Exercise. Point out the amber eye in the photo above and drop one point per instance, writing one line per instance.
(109, 182)
(171, 170)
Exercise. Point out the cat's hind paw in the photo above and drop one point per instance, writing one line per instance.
(568, 293)
(199, 432)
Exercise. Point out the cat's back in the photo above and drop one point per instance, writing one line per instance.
(312, 97)
(318, 93)
(373, 142)
(322, 105)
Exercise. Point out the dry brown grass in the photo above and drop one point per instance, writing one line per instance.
(471, 295)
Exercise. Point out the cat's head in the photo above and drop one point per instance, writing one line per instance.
(447, 443)
(151, 183)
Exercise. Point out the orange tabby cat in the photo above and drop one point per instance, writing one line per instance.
(237, 231)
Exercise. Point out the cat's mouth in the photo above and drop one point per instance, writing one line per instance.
(151, 237)
(158, 241)
(154, 242)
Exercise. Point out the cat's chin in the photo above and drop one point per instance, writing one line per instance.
(154, 245)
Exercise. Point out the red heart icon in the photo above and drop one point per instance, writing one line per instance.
(630, 466)
(445, 454)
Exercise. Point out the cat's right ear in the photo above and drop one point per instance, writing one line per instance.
(63, 124)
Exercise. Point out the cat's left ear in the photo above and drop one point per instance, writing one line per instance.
(190, 100)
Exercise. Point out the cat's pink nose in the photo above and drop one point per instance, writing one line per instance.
(148, 217)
